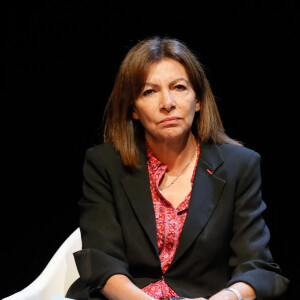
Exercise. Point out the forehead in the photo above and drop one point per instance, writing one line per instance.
(166, 68)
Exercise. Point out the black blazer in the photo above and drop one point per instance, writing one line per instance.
(224, 238)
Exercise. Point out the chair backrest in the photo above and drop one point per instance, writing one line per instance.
(57, 276)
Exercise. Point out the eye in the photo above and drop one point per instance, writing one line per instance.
(180, 87)
(148, 92)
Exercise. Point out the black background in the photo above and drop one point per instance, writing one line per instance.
(58, 65)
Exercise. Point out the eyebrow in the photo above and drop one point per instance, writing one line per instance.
(171, 83)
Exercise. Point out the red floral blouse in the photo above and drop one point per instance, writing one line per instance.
(169, 223)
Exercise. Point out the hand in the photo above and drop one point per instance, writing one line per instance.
(195, 298)
(223, 294)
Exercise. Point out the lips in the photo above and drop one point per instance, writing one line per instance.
(170, 120)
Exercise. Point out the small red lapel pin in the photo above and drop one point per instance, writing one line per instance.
(209, 171)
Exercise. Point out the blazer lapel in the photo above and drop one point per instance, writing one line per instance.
(206, 192)
(137, 188)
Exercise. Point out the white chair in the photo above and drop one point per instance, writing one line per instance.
(57, 276)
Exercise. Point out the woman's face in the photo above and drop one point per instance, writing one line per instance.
(167, 104)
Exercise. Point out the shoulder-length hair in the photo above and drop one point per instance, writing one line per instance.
(127, 134)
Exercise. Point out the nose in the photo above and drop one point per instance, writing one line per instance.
(167, 101)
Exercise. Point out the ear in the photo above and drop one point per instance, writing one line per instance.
(197, 105)
(135, 116)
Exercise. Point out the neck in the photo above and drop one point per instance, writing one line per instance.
(174, 154)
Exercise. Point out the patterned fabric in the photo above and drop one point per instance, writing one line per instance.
(169, 223)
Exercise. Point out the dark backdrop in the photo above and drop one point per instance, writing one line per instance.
(58, 63)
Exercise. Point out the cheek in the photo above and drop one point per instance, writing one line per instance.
(137, 112)
(146, 119)
(192, 109)
(142, 114)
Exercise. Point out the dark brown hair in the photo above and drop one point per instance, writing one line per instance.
(124, 132)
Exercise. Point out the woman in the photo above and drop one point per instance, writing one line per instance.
(171, 205)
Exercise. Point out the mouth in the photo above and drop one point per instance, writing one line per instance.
(170, 120)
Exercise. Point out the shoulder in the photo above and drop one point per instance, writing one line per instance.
(229, 155)
(105, 148)
(240, 160)
(104, 155)
(231, 162)
(236, 152)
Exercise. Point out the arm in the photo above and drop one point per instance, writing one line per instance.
(251, 260)
(102, 262)
(253, 272)
(245, 290)
(120, 287)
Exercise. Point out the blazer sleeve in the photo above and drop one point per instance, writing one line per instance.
(251, 259)
(102, 241)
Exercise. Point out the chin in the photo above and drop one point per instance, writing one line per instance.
(174, 134)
